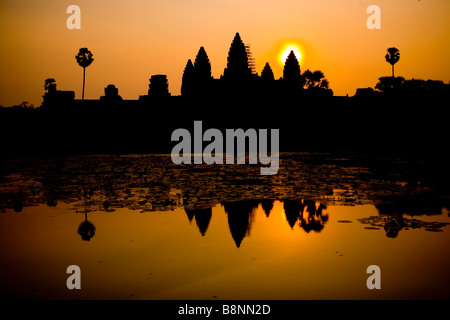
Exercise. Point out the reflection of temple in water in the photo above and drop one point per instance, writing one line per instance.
(292, 210)
(267, 206)
(202, 218)
(240, 216)
(149, 183)
(309, 216)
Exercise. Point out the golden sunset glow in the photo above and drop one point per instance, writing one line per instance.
(287, 51)
(135, 39)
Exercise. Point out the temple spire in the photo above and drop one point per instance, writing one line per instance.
(237, 61)
(291, 71)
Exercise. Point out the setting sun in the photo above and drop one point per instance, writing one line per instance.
(287, 50)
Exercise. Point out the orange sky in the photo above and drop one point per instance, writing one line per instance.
(134, 39)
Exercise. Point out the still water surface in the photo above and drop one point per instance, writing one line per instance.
(141, 228)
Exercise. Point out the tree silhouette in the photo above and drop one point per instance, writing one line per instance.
(304, 212)
(23, 105)
(50, 85)
(313, 219)
(202, 65)
(315, 79)
(267, 73)
(84, 59)
(393, 225)
(86, 229)
(388, 84)
(392, 58)
(237, 61)
(291, 71)
(17, 205)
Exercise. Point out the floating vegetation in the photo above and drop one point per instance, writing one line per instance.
(393, 224)
(152, 183)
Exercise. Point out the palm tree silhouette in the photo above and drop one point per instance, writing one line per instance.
(50, 85)
(84, 59)
(315, 79)
(86, 229)
(392, 57)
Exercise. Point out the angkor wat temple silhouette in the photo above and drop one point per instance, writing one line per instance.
(399, 115)
(239, 79)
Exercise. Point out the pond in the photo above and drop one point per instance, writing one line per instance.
(140, 227)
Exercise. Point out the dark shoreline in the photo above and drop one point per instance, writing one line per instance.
(381, 125)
